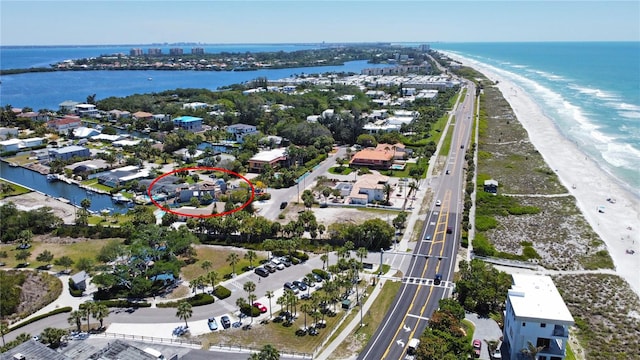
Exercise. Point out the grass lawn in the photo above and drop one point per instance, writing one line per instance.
(75, 250)
(218, 258)
(15, 190)
(345, 170)
(446, 144)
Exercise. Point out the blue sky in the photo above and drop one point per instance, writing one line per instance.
(87, 22)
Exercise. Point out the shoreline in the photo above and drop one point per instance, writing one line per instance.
(583, 178)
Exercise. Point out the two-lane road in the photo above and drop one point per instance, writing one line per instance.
(434, 254)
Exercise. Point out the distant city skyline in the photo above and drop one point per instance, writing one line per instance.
(306, 21)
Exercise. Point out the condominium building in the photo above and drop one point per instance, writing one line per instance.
(536, 317)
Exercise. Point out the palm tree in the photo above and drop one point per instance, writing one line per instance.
(305, 308)
(325, 260)
(269, 295)
(240, 302)
(252, 298)
(268, 352)
(75, 318)
(249, 287)
(52, 336)
(87, 309)
(531, 351)
(362, 252)
(250, 255)
(100, 312)
(386, 189)
(213, 278)
(233, 259)
(184, 312)
(206, 265)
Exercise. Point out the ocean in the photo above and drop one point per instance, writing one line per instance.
(591, 91)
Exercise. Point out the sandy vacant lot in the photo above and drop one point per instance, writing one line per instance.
(34, 200)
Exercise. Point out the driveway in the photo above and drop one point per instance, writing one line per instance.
(486, 330)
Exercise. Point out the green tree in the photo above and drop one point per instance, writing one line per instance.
(184, 312)
(75, 318)
(212, 277)
(45, 256)
(52, 337)
(100, 312)
(249, 287)
(25, 237)
(22, 255)
(4, 329)
(269, 295)
(64, 261)
(233, 259)
(206, 265)
(84, 264)
(251, 256)
(267, 352)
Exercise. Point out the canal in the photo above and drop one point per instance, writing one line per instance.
(58, 189)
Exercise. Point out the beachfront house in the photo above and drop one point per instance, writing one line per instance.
(86, 110)
(189, 123)
(65, 124)
(535, 315)
(67, 106)
(121, 176)
(10, 145)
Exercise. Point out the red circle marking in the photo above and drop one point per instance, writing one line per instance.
(201, 168)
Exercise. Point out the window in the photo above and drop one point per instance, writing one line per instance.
(543, 325)
(524, 324)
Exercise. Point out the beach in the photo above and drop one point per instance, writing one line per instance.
(609, 207)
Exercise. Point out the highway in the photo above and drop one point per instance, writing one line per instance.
(435, 253)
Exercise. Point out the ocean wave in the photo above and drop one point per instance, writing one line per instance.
(625, 106)
(598, 93)
(518, 66)
(622, 156)
(630, 114)
(548, 76)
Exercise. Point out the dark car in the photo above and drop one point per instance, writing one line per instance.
(437, 279)
(283, 205)
(261, 271)
(317, 277)
(447, 172)
(300, 285)
(225, 321)
(449, 230)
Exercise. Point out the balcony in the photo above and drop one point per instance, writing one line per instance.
(560, 331)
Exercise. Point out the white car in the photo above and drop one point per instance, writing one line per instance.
(438, 203)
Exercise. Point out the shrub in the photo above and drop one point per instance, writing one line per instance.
(250, 310)
(196, 300)
(323, 274)
(221, 292)
(263, 196)
(482, 247)
(123, 303)
(61, 310)
(530, 253)
(301, 255)
(484, 223)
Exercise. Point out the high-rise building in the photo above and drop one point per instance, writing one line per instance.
(135, 52)
(176, 51)
(197, 51)
(154, 51)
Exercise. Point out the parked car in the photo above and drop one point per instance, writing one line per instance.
(225, 321)
(317, 277)
(309, 282)
(428, 237)
(261, 271)
(437, 279)
(292, 287)
(213, 324)
(300, 285)
(270, 267)
(285, 261)
(477, 346)
(497, 353)
(259, 306)
(283, 205)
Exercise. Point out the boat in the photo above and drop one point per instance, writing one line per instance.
(66, 201)
(52, 177)
(150, 78)
(12, 164)
(120, 199)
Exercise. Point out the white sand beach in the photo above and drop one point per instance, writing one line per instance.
(619, 222)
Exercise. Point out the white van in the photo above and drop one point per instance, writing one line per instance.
(413, 346)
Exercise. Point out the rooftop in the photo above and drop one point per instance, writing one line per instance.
(371, 154)
(187, 119)
(269, 155)
(536, 298)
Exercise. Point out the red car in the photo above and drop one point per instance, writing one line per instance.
(477, 345)
(262, 308)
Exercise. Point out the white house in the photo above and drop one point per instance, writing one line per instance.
(195, 105)
(368, 188)
(239, 131)
(10, 145)
(535, 314)
(86, 110)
